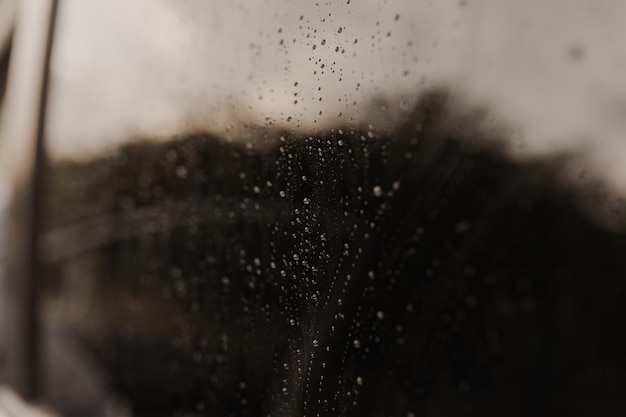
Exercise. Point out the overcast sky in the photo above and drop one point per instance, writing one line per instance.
(554, 71)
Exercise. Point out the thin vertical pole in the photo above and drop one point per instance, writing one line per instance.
(23, 159)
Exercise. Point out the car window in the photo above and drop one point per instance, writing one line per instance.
(334, 209)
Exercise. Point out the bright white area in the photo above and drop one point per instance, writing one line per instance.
(553, 71)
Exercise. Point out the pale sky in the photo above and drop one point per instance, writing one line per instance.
(552, 70)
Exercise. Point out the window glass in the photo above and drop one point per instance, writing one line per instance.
(397, 207)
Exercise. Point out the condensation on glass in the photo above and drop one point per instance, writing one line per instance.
(407, 208)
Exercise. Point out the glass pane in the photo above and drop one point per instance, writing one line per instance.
(397, 207)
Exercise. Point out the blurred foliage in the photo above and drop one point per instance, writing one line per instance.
(416, 272)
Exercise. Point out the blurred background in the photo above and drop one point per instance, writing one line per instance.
(394, 207)
(550, 72)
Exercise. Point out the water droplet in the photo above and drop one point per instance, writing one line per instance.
(181, 172)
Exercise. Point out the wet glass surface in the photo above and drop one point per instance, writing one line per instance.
(338, 232)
